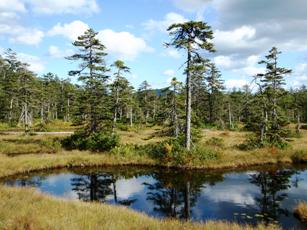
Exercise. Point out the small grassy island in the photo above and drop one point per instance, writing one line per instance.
(301, 211)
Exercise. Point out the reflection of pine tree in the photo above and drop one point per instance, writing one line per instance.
(273, 186)
(32, 182)
(173, 194)
(93, 187)
(96, 187)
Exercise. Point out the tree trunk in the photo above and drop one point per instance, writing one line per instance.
(188, 103)
(263, 127)
(298, 125)
(42, 114)
(131, 116)
(114, 191)
(230, 117)
(175, 116)
(210, 108)
(56, 111)
(11, 112)
(187, 201)
(68, 110)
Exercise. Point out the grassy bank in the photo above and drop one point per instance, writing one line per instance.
(301, 211)
(20, 154)
(26, 209)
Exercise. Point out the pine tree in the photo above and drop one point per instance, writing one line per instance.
(120, 89)
(144, 98)
(214, 86)
(199, 68)
(11, 70)
(172, 107)
(92, 73)
(272, 81)
(26, 95)
(190, 36)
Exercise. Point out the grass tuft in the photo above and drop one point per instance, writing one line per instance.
(301, 211)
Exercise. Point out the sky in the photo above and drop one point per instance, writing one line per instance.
(42, 32)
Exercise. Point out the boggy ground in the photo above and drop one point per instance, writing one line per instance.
(22, 208)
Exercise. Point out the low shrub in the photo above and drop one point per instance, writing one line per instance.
(129, 150)
(253, 142)
(299, 156)
(98, 141)
(122, 127)
(53, 145)
(215, 141)
(41, 127)
(202, 153)
(173, 151)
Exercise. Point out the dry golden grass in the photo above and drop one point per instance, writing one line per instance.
(18, 144)
(141, 136)
(301, 211)
(23, 208)
(20, 154)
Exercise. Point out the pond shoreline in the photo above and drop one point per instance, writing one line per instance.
(165, 176)
(213, 168)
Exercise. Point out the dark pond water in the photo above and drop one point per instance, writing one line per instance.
(259, 195)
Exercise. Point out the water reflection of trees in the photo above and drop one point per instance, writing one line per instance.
(96, 187)
(29, 182)
(175, 193)
(273, 186)
(93, 187)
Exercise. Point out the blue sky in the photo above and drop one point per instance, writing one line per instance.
(41, 32)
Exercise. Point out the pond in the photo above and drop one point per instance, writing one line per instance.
(258, 195)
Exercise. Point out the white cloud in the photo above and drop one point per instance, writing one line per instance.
(70, 30)
(17, 33)
(238, 193)
(28, 36)
(36, 64)
(170, 52)
(272, 23)
(7, 18)
(224, 62)
(236, 40)
(64, 6)
(162, 25)
(123, 45)
(169, 72)
(235, 83)
(56, 52)
(299, 76)
(127, 188)
(240, 65)
(11, 27)
(12, 6)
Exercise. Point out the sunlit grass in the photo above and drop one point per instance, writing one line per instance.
(19, 153)
(23, 208)
(141, 135)
(301, 211)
